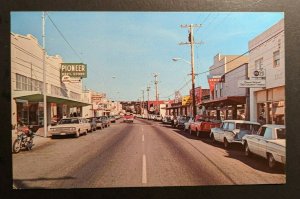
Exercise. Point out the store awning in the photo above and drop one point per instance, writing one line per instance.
(36, 96)
(175, 107)
(225, 101)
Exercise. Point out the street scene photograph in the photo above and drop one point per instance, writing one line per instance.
(147, 99)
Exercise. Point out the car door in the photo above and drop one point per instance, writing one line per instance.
(258, 143)
(220, 133)
(229, 129)
(264, 142)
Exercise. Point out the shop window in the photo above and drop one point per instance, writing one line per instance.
(261, 113)
(276, 59)
(278, 112)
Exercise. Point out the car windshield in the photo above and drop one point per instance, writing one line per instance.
(280, 133)
(89, 119)
(245, 126)
(69, 121)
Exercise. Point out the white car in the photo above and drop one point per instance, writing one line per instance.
(187, 124)
(269, 143)
(70, 126)
(232, 131)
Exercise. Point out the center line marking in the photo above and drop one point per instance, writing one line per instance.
(143, 138)
(144, 175)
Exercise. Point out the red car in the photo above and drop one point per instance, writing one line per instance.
(203, 124)
(128, 117)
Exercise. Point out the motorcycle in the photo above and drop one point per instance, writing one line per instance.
(24, 139)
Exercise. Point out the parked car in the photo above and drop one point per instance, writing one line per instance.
(167, 119)
(157, 118)
(269, 143)
(232, 131)
(128, 117)
(93, 123)
(181, 121)
(112, 119)
(105, 120)
(99, 123)
(70, 126)
(195, 124)
(187, 124)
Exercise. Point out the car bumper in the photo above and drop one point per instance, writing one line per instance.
(63, 132)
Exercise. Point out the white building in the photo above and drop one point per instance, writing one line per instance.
(268, 58)
(27, 84)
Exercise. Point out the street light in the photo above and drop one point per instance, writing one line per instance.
(193, 84)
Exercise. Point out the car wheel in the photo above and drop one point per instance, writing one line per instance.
(17, 146)
(213, 138)
(271, 161)
(247, 150)
(190, 131)
(77, 134)
(86, 132)
(226, 143)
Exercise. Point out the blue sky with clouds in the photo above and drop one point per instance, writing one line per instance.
(133, 45)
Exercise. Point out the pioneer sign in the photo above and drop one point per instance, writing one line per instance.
(252, 83)
(73, 70)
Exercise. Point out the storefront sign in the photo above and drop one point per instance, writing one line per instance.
(73, 70)
(186, 100)
(259, 73)
(252, 83)
(212, 82)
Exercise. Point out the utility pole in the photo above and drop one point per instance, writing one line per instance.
(156, 91)
(191, 42)
(148, 89)
(44, 77)
(143, 102)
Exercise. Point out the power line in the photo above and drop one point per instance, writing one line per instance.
(62, 35)
(243, 53)
(231, 60)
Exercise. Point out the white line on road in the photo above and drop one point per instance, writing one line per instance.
(144, 175)
(143, 138)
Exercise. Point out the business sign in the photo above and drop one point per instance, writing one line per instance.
(212, 82)
(252, 83)
(73, 70)
(259, 73)
(186, 100)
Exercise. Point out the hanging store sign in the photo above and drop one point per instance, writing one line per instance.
(252, 83)
(186, 100)
(78, 70)
(259, 73)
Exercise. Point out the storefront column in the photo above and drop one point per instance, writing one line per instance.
(218, 115)
(48, 114)
(234, 112)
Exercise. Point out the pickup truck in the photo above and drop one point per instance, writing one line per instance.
(128, 117)
(269, 143)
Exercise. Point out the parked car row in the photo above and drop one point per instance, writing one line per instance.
(267, 141)
(77, 126)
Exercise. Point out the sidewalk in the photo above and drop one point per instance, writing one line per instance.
(38, 139)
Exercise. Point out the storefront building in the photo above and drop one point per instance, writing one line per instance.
(227, 100)
(63, 99)
(267, 64)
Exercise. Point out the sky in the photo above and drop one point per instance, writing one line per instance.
(123, 50)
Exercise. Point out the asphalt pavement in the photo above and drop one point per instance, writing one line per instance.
(143, 153)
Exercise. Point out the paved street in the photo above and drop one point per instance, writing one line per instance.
(145, 153)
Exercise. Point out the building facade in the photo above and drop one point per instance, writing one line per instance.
(63, 99)
(267, 60)
(227, 100)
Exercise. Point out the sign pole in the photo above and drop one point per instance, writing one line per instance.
(44, 77)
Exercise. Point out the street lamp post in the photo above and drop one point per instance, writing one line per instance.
(193, 84)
